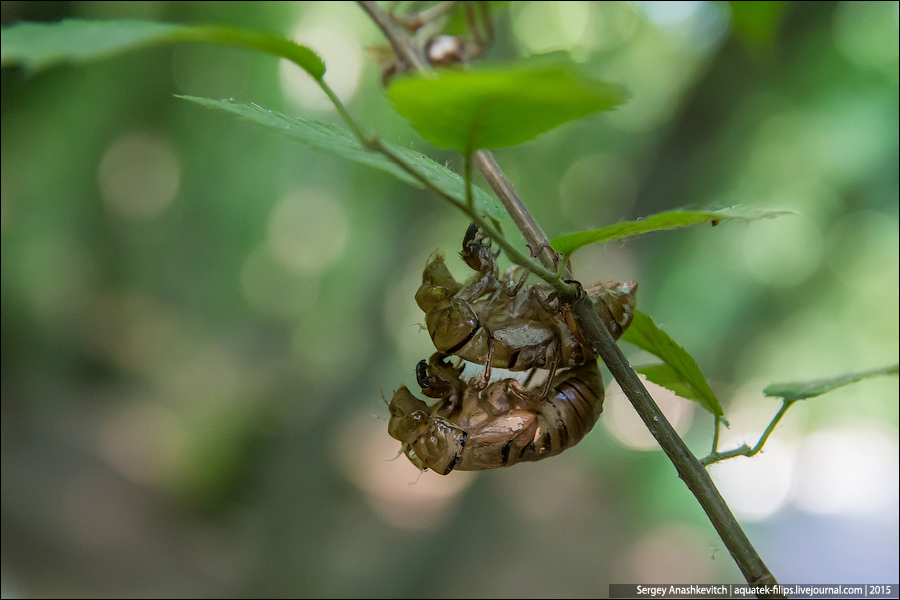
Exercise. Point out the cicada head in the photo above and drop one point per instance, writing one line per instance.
(409, 416)
(438, 285)
(619, 299)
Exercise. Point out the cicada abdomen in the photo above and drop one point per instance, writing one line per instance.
(500, 425)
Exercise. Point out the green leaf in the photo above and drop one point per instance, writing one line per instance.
(39, 45)
(340, 142)
(492, 108)
(792, 392)
(667, 377)
(567, 244)
(679, 372)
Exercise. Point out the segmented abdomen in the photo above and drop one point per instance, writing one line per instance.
(570, 411)
(541, 429)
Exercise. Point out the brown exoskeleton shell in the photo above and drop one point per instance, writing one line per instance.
(512, 327)
(472, 429)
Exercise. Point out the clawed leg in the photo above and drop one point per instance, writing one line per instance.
(515, 289)
(547, 302)
(475, 251)
(530, 377)
(485, 378)
(554, 363)
(438, 378)
(540, 248)
(477, 254)
(521, 398)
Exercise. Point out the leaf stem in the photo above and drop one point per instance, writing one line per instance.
(689, 468)
(745, 450)
(487, 164)
(342, 111)
(375, 144)
(715, 442)
(563, 266)
(521, 216)
(512, 252)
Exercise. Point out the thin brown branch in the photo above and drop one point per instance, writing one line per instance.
(689, 468)
(396, 36)
(521, 216)
(686, 464)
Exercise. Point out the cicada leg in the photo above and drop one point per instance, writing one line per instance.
(516, 288)
(530, 376)
(477, 254)
(547, 302)
(440, 379)
(521, 398)
(554, 363)
(568, 317)
(485, 378)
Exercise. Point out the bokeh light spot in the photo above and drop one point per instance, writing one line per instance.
(143, 442)
(139, 176)
(670, 554)
(866, 33)
(852, 470)
(546, 26)
(336, 45)
(755, 488)
(308, 231)
(783, 252)
(624, 423)
(394, 488)
(697, 24)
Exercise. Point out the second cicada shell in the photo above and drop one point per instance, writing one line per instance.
(473, 428)
(490, 319)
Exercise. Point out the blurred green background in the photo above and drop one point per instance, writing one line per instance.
(200, 318)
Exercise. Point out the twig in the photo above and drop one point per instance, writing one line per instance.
(402, 48)
(745, 450)
(514, 254)
(521, 216)
(689, 468)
